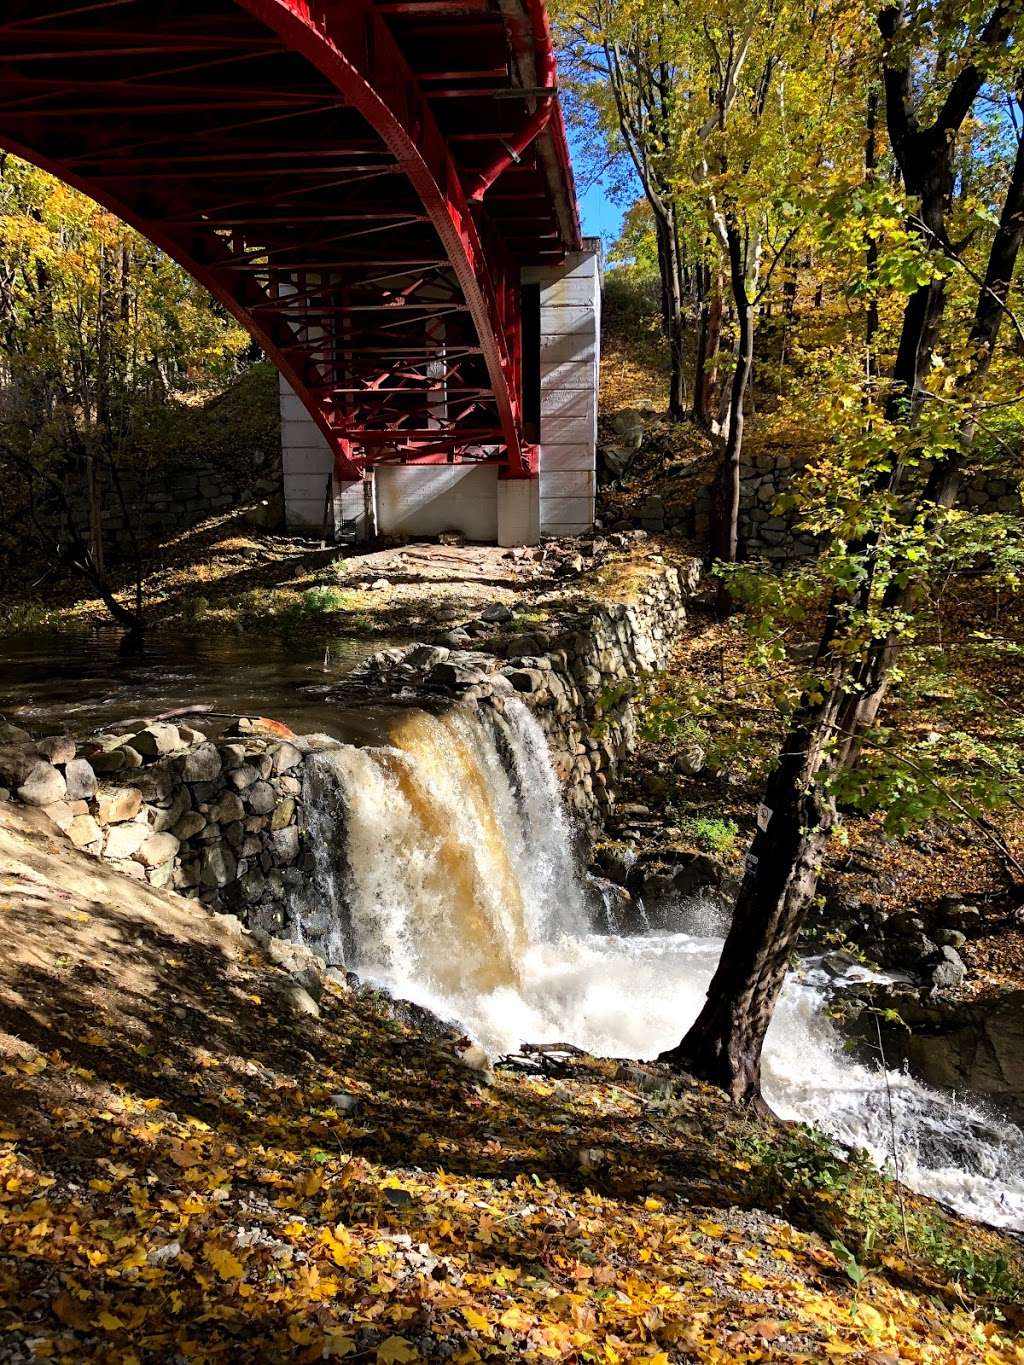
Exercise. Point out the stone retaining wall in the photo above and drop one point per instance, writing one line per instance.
(768, 534)
(217, 821)
(223, 820)
(162, 502)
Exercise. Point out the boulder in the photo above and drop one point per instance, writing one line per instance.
(285, 844)
(299, 1000)
(963, 919)
(232, 755)
(628, 425)
(260, 798)
(243, 776)
(16, 762)
(218, 865)
(59, 749)
(945, 969)
(613, 908)
(227, 809)
(496, 612)
(124, 841)
(310, 979)
(162, 875)
(284, 813)
(110, 761)
(156, 740)
(950, 938)
(252, 885)
(158, 848)
(84, 831)
(13, 734)
(191, 736)
(234, 834)
(61, 814)
(202, 764)
(117, 804)
(189, 825)
(970, 1045)
(80, 779)
(166, 817)
(285, 757)
(426, 656)
(904, 924)
(42, 785)
(157, 785)
(690, 761)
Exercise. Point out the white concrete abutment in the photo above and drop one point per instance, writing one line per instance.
(429, 499)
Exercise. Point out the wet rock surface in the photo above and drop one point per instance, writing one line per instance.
(969, 1045)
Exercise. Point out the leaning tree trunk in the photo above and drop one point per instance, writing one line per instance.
(723, 1046)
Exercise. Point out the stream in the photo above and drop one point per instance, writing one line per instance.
(83, 681)
(453, 885)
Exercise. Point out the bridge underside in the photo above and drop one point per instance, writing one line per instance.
(361, 183)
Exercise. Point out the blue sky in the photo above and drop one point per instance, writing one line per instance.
(602, 216)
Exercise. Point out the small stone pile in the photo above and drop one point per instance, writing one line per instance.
(218, 821)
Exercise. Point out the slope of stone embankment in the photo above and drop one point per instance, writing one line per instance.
(198, 1162)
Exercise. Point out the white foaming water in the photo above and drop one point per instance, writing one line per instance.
(454, 886)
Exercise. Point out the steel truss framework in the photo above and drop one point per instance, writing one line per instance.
(358, 181)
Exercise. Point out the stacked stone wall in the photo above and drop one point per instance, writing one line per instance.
(162, 502)
(767, 533)
(219, 821)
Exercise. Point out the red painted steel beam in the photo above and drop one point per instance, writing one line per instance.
(318, 303)
(353, 47)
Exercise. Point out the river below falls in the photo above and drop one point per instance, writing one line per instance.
(634, 997)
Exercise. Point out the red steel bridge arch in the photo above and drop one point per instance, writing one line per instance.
(360, 182)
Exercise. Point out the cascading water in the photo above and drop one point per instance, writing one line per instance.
(444, 872)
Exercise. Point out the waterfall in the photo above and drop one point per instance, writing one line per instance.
(455, 859)
(444, 872)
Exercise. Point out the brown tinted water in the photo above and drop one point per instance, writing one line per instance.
(51, 681)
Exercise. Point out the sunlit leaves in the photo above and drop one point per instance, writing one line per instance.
(95, 318)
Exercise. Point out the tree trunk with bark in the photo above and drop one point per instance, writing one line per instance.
(726, 496)
(709, 337)
(670, 265)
